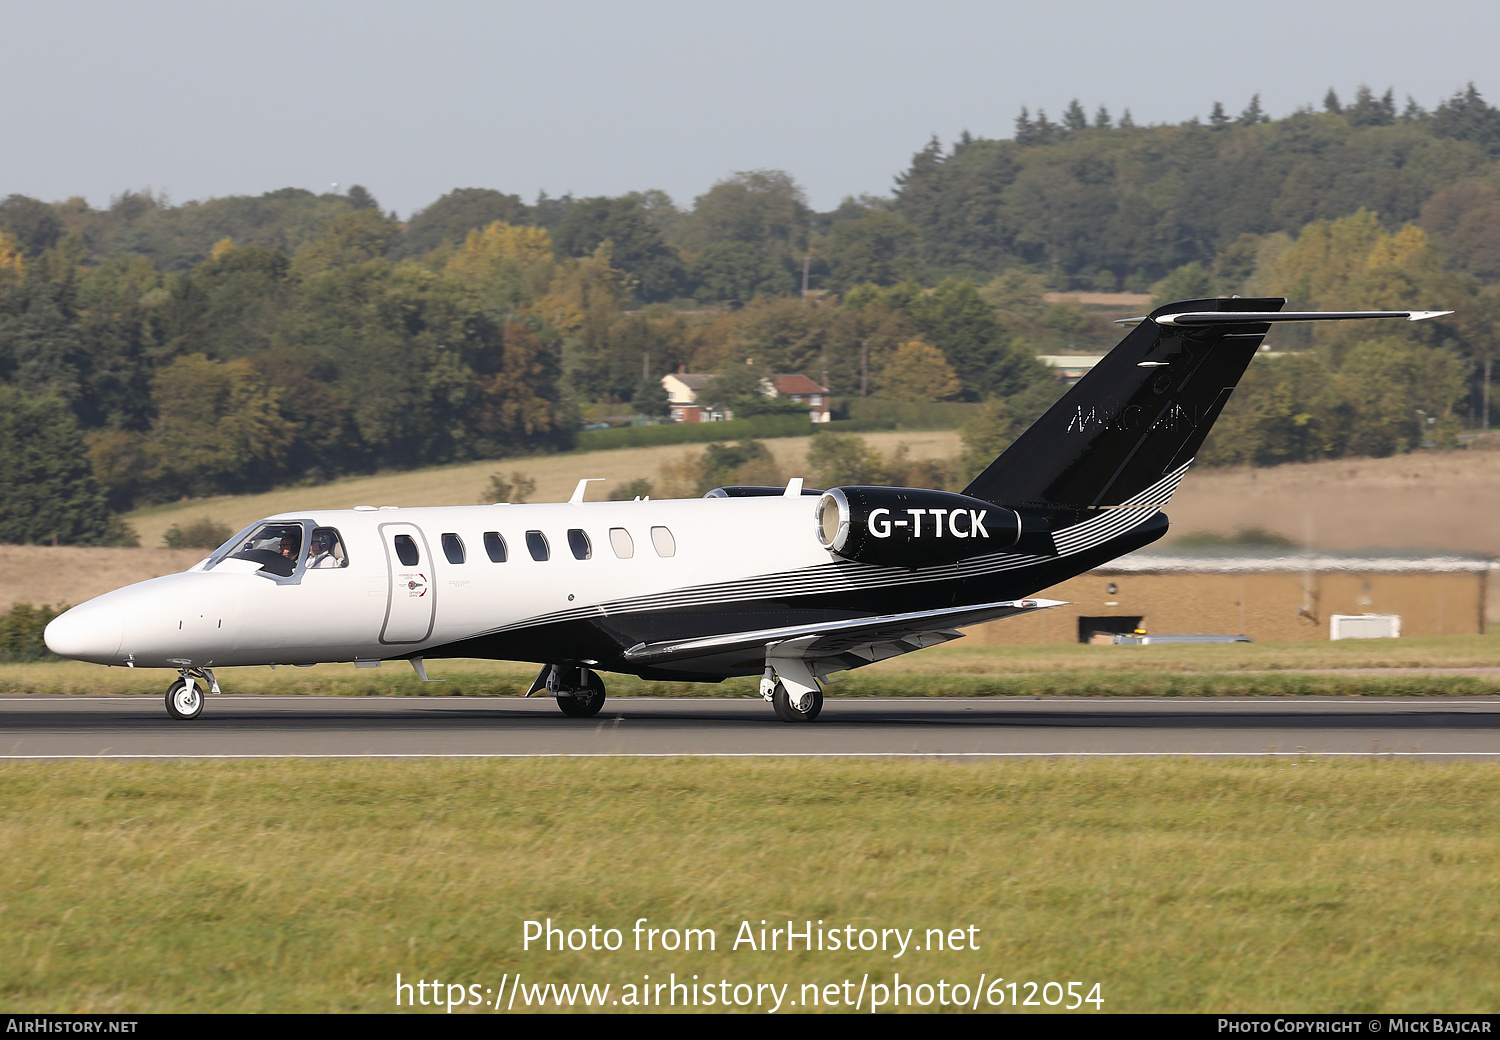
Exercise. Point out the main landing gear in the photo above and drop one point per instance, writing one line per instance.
(185, 695)
(802, 708)
(793, 690)
(579, 690)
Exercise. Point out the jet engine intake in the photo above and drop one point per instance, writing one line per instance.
(911, 527)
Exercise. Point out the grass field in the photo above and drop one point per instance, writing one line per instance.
(1177, 885)
(1437, 499)
(1443, 500)
(1235, 669)
(555, 476)
(1426, 652)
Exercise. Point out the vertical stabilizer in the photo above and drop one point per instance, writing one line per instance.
(1127, 430)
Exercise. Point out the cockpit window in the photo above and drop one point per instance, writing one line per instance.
(223, 551)
(326, 550)
(276, 547)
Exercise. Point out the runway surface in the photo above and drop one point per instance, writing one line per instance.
(257, 726)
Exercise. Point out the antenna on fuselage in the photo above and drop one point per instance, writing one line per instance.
(583, 486)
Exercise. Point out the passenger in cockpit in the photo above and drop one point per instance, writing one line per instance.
(325, 549)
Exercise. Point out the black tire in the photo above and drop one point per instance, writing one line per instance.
(184, 700)
(782, 702)
(584, 703)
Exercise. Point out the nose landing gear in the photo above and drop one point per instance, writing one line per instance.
(185, 695)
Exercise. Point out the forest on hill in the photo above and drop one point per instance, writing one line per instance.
(230, 344)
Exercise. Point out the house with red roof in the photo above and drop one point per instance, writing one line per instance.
(799, 388)
(687, 393)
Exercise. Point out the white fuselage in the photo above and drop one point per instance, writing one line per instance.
(226, 612)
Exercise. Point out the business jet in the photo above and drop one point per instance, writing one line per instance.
(791, 584)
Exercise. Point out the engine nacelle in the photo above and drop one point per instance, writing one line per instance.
(754, 491)
(912, 527)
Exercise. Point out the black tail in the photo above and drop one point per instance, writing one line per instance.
(1136, 420)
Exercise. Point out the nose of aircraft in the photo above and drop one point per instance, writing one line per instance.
(88, 632)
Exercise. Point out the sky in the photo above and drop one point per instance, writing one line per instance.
(413, 100)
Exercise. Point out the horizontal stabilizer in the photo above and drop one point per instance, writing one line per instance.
(1241, 317)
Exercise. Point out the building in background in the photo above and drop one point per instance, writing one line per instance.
(687, 395)
(799, 388)
(684, 390)
(1266, 594)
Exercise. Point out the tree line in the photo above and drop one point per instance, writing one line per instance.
(153, 350)
(1092, 203)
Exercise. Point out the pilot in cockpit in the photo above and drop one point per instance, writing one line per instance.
(291, 545)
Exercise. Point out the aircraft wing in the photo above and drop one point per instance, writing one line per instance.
(835, 645)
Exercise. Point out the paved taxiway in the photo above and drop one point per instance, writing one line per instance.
(273, 726)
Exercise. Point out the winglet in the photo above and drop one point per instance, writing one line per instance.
(1424, 315)
(583, 486)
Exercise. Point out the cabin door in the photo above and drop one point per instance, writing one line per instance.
(413, 593)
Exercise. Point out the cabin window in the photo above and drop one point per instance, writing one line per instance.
(579, 543)
(662, 539)
(536, 544)
(494, 545)
(621, 542)
(453, 548)
(326, 550)
(406, 550)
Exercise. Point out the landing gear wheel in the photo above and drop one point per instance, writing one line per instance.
(584, 702)
(184, 699)
(786, 711)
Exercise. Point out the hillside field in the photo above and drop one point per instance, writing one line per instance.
(1439, 500)
(1445, 500)
(555, 476)
(1429, 499)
